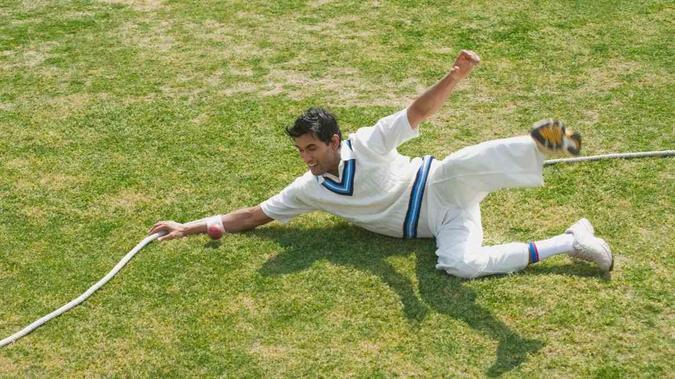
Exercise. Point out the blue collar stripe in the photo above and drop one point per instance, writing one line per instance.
(345, 188)
(415, 204)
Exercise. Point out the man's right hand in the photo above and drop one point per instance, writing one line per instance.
(172, 229)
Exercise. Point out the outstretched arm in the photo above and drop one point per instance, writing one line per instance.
(235, 221)
(427, 104)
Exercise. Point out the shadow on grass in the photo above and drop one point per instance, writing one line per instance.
(580, 268)
(350, 246)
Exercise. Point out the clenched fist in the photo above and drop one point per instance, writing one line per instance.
(464, 64)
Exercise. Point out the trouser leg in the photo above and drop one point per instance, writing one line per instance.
(483, 261)
(460, 182)
(468, 175)
(460, 251)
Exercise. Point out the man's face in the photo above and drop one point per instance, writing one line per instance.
(319, 156)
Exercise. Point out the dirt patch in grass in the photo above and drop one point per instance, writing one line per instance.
(248, 303)
(138, 5)
(29, 56)
(338, 86)
(126, 200)
(63, 107)
(240, 88)
(29, 5)
(8, 367)
(36, 215)
(370, 347)
(19, 163)
(318, 3)
(232, 44)
(32, 58)
(608, 77)
(270, 351)
(157, 38)
(59, 182)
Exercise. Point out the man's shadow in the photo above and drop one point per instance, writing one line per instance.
(349, 246)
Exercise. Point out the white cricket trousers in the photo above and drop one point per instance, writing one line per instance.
(456, 186)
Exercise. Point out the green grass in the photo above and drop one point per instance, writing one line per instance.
(115, 114)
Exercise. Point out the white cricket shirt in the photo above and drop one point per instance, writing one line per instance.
(378, 189)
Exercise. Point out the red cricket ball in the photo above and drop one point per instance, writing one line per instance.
(214, 231)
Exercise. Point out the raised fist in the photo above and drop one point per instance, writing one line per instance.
(464, 64)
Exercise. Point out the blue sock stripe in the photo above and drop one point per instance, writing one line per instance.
(534, 253)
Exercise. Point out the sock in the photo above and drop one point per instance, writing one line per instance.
(543, 249)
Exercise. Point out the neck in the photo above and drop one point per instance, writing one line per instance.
(335, 169)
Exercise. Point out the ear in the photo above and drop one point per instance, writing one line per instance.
(335, 142)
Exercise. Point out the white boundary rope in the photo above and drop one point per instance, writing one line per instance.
(664, 153)
(36, 324)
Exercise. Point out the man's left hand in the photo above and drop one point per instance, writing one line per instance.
(464, 64)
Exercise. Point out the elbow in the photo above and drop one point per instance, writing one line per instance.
(416, 115)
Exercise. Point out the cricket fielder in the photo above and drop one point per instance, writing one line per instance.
(364, 180)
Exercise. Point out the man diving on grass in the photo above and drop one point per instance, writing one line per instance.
(364, 180)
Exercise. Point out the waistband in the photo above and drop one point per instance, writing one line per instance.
(412, 216)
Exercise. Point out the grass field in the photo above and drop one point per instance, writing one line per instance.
(116, 114)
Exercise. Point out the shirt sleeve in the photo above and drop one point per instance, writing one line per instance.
(388, 133)
(288, 203)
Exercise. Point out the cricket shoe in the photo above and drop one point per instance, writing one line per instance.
(553, 138)
(589, 247)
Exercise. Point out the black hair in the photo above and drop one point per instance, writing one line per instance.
(318, 121)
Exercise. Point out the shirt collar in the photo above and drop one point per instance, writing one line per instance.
(346, 153)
